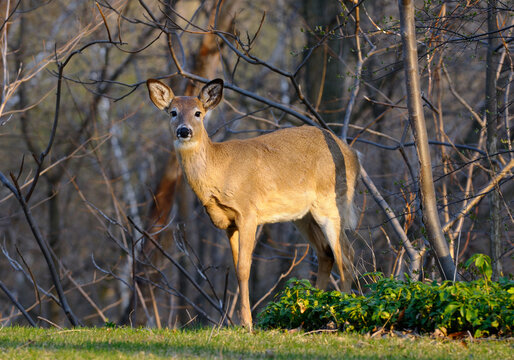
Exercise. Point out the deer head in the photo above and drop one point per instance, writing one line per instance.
(187, 112)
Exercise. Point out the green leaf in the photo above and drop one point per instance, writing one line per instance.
(488, 272)
(385, 315)
(470, 314)
(451, 308)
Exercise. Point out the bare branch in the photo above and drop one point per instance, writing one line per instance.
(178, 266)
(11, 296)
(413, 255)
(488, 188)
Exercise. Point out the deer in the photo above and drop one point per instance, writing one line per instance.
(302, 174)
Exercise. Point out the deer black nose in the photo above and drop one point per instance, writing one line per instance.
(184, 132)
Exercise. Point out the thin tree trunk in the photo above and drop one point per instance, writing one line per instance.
(493, 121)
(428, 199)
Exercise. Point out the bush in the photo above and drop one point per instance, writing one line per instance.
(481, 307)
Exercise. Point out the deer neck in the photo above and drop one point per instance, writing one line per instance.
(195, 159)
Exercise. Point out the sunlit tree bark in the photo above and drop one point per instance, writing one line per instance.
(430, 214)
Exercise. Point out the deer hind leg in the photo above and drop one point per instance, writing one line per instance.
(347, 255)
(346, 266)
(342, 252)
(312, 232)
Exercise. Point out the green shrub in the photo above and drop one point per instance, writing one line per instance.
(481, 307)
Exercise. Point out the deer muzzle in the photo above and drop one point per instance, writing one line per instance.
(184, 132)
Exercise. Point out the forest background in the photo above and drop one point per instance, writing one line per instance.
(97, 224)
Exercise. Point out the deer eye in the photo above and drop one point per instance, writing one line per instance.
(173, 113)
(198, 113)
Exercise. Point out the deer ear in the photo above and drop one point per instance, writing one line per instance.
(211, 94)
(160, 94)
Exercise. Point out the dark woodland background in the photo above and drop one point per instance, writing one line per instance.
(93, 159)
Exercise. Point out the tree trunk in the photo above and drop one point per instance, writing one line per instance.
(417, 119)
(493, 122)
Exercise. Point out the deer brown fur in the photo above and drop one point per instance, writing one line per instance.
(302, 174)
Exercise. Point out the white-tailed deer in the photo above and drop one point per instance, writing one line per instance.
(302, 174)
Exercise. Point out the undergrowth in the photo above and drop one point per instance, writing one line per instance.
(482, 307)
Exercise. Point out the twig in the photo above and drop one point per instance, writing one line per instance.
(178, 266)
(155, 308)
(461, 99)
(34, 283)
(109, 272)
(17, 267)
(50, 322)
(44, 153)
(174, 292)
(43, 246)
(182, 243)
(282, 276)
(105, 21)
(10, 295)
(320, 331)
(239, 90)
(358, 72)
(492, 184)
(412, 253)
(88, 298)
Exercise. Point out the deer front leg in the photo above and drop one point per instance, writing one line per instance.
(233, 238)
(244, 264)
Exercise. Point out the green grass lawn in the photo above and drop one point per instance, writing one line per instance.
(233, 343)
